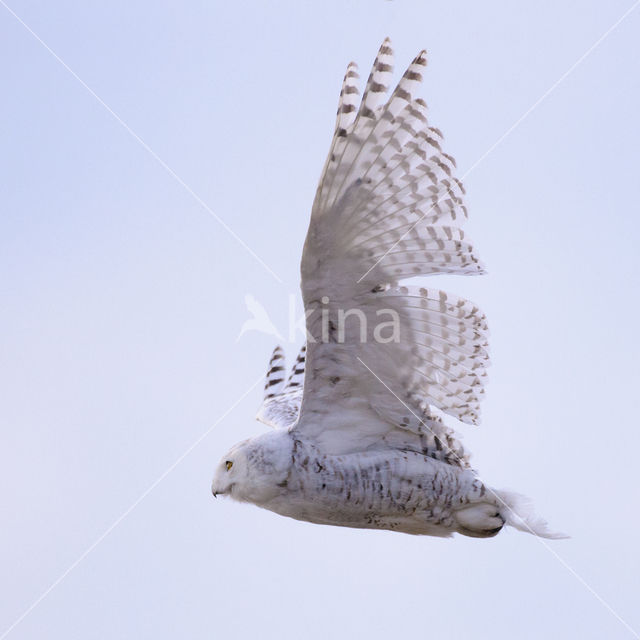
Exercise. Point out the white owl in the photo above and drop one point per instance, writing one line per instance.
(361, 444)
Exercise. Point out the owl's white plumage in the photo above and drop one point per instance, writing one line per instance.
(362, 444)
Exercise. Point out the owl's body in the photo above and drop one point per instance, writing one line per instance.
(360, 440)
(402, 491)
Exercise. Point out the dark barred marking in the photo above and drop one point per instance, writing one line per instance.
(274, 369)
(376, 87)
(451, 159)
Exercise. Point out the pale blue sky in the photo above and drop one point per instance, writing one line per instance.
(123, 298)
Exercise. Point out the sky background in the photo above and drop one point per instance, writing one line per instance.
(123, 297)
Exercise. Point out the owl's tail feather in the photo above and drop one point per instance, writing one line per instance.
(518, 512)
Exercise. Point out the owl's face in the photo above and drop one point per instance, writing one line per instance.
(231, 472)
(253, 470)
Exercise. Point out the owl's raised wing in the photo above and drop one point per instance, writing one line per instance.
(282, 396)
(388, 207)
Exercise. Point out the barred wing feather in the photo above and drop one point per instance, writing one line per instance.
(282, 396)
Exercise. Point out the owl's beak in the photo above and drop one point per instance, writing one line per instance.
(219, 486)
(215, 490)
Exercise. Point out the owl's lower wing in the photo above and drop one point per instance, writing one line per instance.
(387, 208)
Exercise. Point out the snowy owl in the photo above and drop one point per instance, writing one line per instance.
(359, 438)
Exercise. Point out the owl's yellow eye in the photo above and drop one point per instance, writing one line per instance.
(229, 464)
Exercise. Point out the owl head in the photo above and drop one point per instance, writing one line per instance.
(254, 470)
